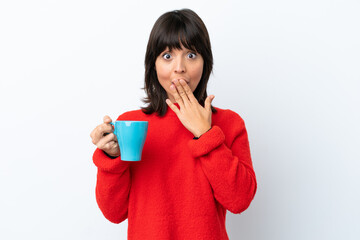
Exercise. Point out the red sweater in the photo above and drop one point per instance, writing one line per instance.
(182, 187)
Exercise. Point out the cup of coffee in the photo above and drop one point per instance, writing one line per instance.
(131, 137)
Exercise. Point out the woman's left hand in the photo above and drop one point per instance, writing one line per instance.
(192, 115)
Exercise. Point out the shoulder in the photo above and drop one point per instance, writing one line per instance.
(132, 115)
(230, 122)
(227, 115)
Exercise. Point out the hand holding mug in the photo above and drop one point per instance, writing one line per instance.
(104, 138)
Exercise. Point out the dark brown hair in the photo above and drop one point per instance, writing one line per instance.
(173, 29)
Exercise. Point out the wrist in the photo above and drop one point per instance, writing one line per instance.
(112, 157)
(197, 136)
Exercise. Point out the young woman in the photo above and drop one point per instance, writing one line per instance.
(196, 161)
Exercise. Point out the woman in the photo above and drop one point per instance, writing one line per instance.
(196, 161)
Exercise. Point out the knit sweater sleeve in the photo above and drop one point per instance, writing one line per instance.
(226, 162)
(112, 186)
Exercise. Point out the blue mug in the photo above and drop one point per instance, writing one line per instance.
(131, 137)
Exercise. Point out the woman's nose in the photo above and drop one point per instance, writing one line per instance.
(180, 66)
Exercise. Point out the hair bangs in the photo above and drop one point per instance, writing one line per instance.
(176, 35)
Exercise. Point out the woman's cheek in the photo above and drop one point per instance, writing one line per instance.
(163, 73)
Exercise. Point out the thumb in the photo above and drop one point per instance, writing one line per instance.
(107, 119)
(208, 102)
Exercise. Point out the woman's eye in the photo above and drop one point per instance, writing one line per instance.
(192, 55)
(166, 56)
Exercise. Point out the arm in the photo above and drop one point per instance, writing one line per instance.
(228, 169)
(112, 186)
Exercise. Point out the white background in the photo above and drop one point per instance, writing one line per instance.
(289, 68)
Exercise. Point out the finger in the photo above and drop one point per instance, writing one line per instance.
(176, 95)
(172, 106)
(208, 102)
(107, 119)
(110, 145)
(100, 131)
(107, 128)
(105, 140)
(188, 91)
(181, 91)
(106, 145)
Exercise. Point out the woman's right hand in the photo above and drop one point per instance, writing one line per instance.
(104, 138)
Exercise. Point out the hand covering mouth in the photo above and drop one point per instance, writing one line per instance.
(179, 80)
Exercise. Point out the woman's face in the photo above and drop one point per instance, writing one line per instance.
(179, 64)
